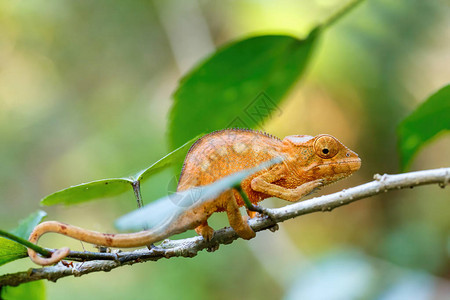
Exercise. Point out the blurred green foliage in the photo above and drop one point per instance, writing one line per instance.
(27, 225)
(32, 290)
(11, 250)
(85, 93)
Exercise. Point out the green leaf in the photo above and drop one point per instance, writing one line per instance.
(27, 225)
(31, 290)
(10, 251)
(88, 191)
(159, 214)
(429, 119)
(175, 157)
(240, 85)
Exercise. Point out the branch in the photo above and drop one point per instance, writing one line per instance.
(94, 262)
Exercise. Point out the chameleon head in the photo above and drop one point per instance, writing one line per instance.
(323, 157)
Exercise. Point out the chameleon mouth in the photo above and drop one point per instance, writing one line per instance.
(353, 165)
(335, 171)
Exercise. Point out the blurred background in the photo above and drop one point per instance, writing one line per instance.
(85, 91)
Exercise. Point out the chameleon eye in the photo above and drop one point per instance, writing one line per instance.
(326, 146)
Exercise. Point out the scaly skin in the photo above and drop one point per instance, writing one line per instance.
(309, 163)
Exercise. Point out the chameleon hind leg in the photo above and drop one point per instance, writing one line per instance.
(205, 231)
(237, 222)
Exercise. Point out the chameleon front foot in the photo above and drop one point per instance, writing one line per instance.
(262, 211)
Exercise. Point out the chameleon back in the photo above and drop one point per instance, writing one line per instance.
(224, 152)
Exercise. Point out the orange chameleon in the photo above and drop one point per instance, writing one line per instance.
(309, 163)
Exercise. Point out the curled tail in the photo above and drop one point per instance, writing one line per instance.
(127, 240)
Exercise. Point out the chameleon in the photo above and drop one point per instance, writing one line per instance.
(308, 163)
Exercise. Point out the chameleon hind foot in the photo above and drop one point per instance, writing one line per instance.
(206, 231)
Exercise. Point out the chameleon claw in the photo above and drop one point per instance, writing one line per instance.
(265, 212)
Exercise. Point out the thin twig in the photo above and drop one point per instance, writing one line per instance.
(341, 13)
(94, 262)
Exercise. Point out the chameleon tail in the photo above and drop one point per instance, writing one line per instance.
(137, 239)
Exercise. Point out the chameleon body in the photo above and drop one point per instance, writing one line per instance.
(308, 163)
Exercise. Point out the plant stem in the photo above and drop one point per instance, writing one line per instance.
(340, 13)
(25, 243)
(137, 192)
(247, 202)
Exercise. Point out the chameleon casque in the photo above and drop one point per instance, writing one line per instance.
(308, 163)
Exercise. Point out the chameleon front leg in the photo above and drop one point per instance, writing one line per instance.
(263, 184)
(237, 222)
(252, 214)
(255, 210)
